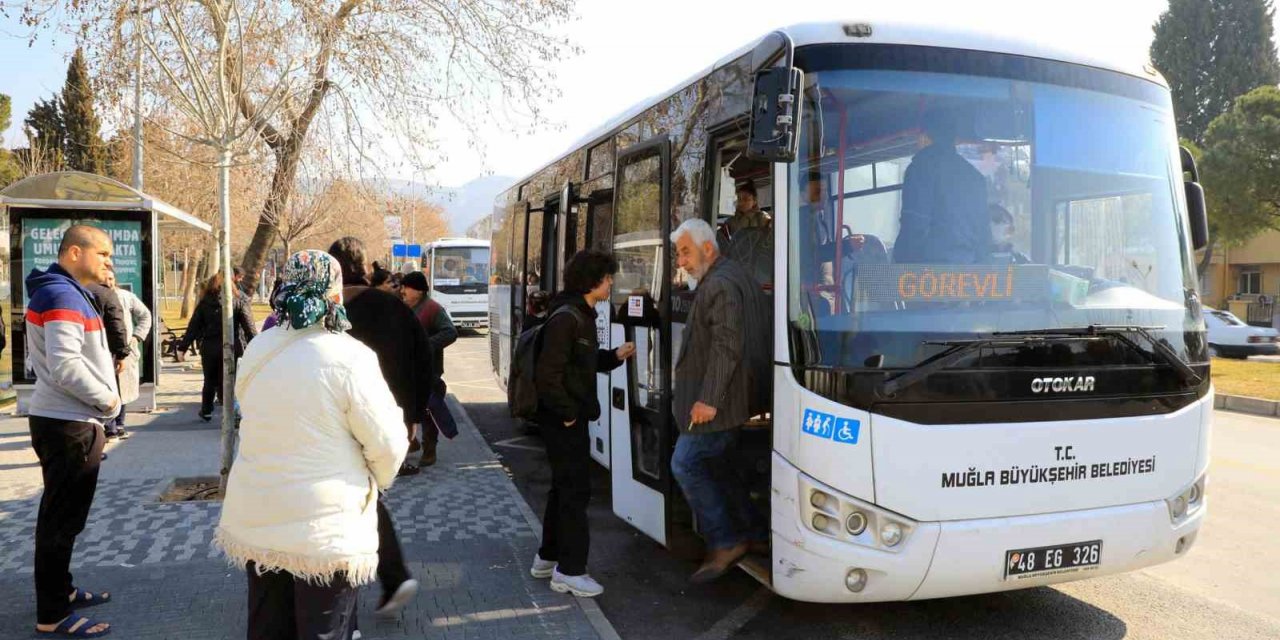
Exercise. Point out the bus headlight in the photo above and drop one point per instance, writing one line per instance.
(821, 522)
(1187, 501)
(855, 580)
(819, 500)
(829, 513)
(856, 523)
(890, 534)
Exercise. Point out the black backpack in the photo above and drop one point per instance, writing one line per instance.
(522, 391)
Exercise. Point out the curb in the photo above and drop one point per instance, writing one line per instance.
(590, 608)
(1245, 404)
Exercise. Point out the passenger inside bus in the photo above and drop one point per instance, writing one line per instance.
(747, 236)
(815, 264)
(1003, 251)
(944, 218)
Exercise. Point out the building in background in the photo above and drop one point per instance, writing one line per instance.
(1246, 280)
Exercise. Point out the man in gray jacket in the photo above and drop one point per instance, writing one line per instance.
(75, 395)
(719, 373)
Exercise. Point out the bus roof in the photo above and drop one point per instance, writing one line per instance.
(895, 32)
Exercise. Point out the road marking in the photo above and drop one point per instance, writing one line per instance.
(739, 617)
(511, 444)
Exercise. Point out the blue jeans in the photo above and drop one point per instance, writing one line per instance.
(706, 466)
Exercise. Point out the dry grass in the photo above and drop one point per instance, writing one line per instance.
(1253, 378)
(169, 313)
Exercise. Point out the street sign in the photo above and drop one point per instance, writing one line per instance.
(406, 251)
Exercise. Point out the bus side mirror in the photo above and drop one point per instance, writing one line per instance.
(1197, 212)
(775, 117)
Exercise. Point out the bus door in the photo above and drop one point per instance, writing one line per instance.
(640, 399)
(593, 225)
(552, 227)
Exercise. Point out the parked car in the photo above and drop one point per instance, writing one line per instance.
(1231, 338)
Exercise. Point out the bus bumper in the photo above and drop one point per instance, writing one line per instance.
(953, 558)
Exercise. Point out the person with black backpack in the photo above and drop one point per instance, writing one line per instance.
(562, 379)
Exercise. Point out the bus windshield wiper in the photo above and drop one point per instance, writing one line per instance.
(956, 350)
(1124, 333)
(959, 349)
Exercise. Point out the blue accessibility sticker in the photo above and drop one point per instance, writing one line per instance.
(846, 431)
(829, 427)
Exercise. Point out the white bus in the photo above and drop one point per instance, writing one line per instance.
(990, 366)
(458, 270)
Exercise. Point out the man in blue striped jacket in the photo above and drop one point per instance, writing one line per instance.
(76, 394)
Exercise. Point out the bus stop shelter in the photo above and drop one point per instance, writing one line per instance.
(38, 210)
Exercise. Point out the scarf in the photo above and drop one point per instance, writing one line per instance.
(312, 293)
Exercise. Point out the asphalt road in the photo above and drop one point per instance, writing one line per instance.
(1228, 587)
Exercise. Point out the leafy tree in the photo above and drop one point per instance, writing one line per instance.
(1241, 163)
(45, 130)
(1211, 52)
(8, 166)
(82, 145)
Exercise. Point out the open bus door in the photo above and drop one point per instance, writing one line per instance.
(642, 436)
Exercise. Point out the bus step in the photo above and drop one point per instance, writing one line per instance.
(757, 567)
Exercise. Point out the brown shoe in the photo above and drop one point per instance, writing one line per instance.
(429, 442)
(718, 562)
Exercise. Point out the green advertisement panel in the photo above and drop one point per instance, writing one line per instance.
(41, 237)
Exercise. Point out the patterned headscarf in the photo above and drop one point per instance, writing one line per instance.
(312, 292)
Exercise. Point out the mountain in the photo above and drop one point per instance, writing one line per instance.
(464, 205)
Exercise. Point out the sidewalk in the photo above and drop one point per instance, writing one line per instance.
(467, 536)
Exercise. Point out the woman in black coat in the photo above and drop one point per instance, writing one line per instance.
(206, 329)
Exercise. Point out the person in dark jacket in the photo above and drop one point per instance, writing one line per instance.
(206, 329)
(536, 314)
(721, 377)
(568, 360)
(108, 305)
(384, 324)
(441, 333)
(944, 218)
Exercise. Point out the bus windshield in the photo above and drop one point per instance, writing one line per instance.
(931, 206)
(460, 270)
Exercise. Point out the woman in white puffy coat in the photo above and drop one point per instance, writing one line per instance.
(321, 435)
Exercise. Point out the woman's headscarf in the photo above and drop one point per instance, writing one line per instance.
(312, 292)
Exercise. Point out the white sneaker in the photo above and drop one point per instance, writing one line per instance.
(542, 568)
(403, 594)
(583, 586)
(356, 635)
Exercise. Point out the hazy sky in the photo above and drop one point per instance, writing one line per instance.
(633, 49)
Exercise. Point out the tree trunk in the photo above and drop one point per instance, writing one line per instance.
(188, 284)
(282, 183)
(228, 325)
(213, 254)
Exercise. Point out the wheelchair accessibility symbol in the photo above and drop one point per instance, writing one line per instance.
(829, 427)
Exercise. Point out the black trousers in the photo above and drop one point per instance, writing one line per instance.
(391, 568)
(211, 362)
(565, 537)
(70, 453)
(283, 607)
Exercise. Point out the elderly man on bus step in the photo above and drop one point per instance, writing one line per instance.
(724, 350)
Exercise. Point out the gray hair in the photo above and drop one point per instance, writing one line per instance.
(698, 230)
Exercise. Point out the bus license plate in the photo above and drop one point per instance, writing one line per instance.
(1062, 558)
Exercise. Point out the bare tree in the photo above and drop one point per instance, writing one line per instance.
(198, 57)
(371, 70)
(365, 71)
